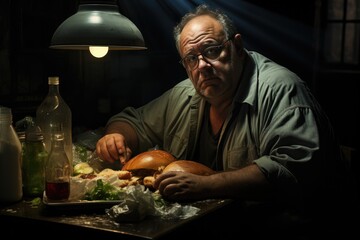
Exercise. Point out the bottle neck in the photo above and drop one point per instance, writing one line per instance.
(57, 142)
(5, 115)
(5, 119)
(54, 89)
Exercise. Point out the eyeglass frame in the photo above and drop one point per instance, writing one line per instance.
(220, 47)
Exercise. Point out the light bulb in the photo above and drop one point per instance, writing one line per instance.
(98, 51)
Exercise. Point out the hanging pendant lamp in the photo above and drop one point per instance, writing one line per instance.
(98, 26)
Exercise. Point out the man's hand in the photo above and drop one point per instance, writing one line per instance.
(182, 186)
(112, 147)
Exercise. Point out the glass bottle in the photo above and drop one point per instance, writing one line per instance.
(10, 159)
(57, 170)
(33, 163)
(21, 136)
(54, 111)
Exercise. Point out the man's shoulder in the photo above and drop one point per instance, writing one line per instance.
(273, 74)
(186, 83)
(266, 64)
(184, 86)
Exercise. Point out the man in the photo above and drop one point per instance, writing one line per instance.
(250, 119)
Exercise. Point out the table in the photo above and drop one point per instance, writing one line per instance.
(217, 219)
(15, 218)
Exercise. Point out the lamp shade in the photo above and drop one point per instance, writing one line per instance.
(97, 25)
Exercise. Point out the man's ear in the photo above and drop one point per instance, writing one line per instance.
(238, 43)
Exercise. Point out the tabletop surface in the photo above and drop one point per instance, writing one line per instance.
(149, 228)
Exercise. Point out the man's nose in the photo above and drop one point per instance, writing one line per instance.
(202, 62)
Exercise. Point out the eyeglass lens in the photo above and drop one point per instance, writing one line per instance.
(211, 53)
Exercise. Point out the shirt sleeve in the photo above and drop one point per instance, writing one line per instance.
(286, 128)
(288, 146)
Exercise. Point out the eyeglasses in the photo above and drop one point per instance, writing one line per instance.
(211, 54)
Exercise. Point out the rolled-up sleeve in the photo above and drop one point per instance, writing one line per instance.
(287, 146)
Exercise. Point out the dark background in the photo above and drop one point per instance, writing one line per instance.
(289, 32)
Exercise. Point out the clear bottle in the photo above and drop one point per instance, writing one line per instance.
(33, 163)
(10, 159)
(54, 111)
(57, 170)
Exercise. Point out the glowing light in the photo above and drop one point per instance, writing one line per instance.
(98, 51)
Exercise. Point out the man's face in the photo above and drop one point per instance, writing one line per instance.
(210, 60)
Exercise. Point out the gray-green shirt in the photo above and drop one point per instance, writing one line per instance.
(274, 123)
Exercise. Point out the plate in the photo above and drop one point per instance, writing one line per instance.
(78, 206)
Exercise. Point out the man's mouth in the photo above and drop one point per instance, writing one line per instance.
(208, 82)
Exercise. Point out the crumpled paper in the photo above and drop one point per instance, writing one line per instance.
(79, 186)
(139, 203)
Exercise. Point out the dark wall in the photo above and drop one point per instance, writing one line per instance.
(95, 89)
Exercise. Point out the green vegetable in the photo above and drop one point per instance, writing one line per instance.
(103, 191)
(81, 153)
(35, 202)
(83, 168)
(158, 200)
